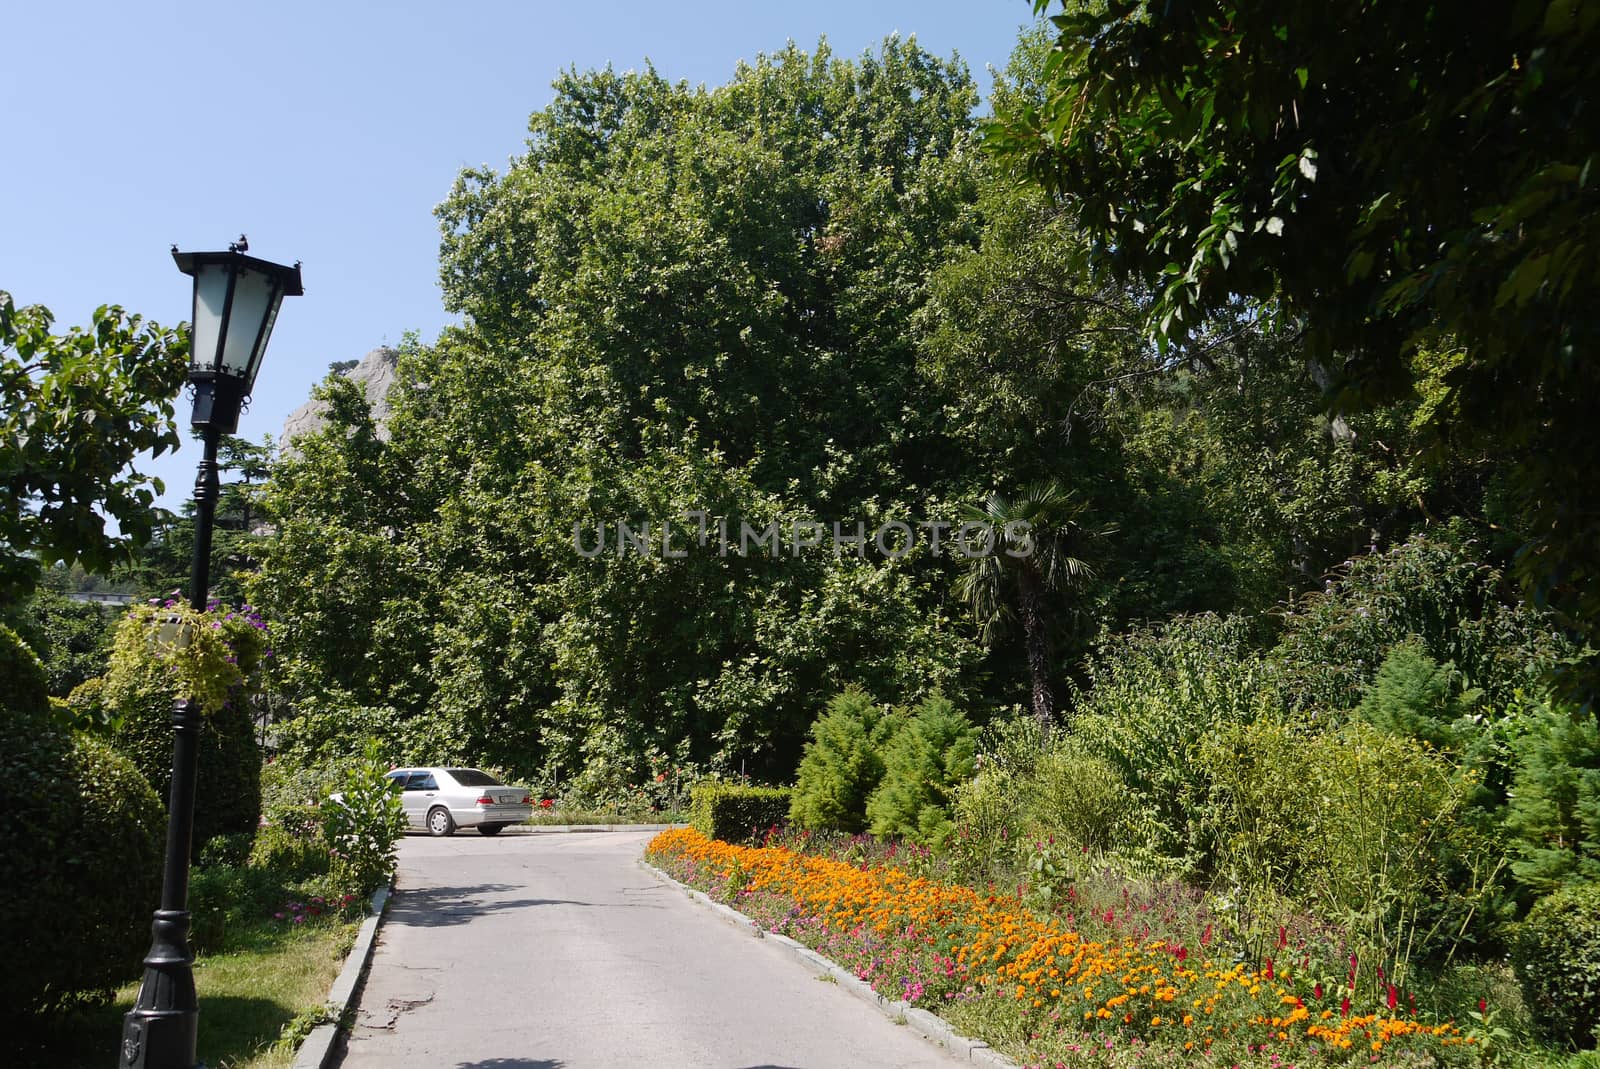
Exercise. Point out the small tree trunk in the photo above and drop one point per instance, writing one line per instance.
(1031, 610)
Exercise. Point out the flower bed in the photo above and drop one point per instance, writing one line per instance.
(1035, 986)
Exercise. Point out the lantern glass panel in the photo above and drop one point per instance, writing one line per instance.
(210, 300)
(253, 301)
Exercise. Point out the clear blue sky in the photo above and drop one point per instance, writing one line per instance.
(327, 132)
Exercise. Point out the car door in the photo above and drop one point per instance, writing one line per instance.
(420, 791)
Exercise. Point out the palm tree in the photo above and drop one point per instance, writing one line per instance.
(1029, 559)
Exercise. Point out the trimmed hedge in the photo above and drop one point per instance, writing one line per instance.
(1556, 954)
(737, 814)
(86, 845)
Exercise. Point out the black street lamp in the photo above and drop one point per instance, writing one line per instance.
(236, 299)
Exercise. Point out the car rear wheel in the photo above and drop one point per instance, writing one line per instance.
(490, 829)
(440, 821)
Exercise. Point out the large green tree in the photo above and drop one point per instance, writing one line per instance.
(1410, 182)
(678, 301)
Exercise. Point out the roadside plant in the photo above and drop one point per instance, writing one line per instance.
(362, 824)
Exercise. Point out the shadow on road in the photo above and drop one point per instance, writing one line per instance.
(437, 907)
(513, 1063)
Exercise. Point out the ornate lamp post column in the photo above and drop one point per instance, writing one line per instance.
(236, 299)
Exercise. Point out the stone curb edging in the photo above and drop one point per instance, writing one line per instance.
(929, 1026)
(317, 1052)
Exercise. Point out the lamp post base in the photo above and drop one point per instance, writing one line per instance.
(160, 1031)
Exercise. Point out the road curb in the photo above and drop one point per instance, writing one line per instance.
(319, 1049)
(929, 1026)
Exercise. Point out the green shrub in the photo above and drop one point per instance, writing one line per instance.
(736, 813)
(364, 824)
(86, 705)
(1153, 698)
(926, 762)
(72, 639)
(843, 763)
(1078, 798)
(1554, 813)
(991, 810)
(228, 773)
(23, 686)
(231, 850)
(1354, 825)
(86, 844)
(1556, 954)
(291, 843)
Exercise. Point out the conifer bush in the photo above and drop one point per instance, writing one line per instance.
(927, 761)
(1553, 818)
(843, 763)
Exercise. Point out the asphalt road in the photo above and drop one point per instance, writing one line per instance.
(559, 952)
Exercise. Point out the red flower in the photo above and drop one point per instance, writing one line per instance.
(1205, 936)
(1483, 1005)
(1269, 973)
(1283, 937)
(1344, 1007)
(1316, 992)
(1393, 1000)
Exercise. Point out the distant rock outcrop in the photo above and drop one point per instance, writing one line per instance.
(375, 373)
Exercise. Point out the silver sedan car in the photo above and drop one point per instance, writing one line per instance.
(444, 799)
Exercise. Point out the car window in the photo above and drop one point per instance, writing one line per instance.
(422, 781)
(471, 777)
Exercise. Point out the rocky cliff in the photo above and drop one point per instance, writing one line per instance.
(375, 373)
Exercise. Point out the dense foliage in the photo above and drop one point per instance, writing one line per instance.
(147, 673)
(363, 825)
(923, 764)
(1409, 182)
